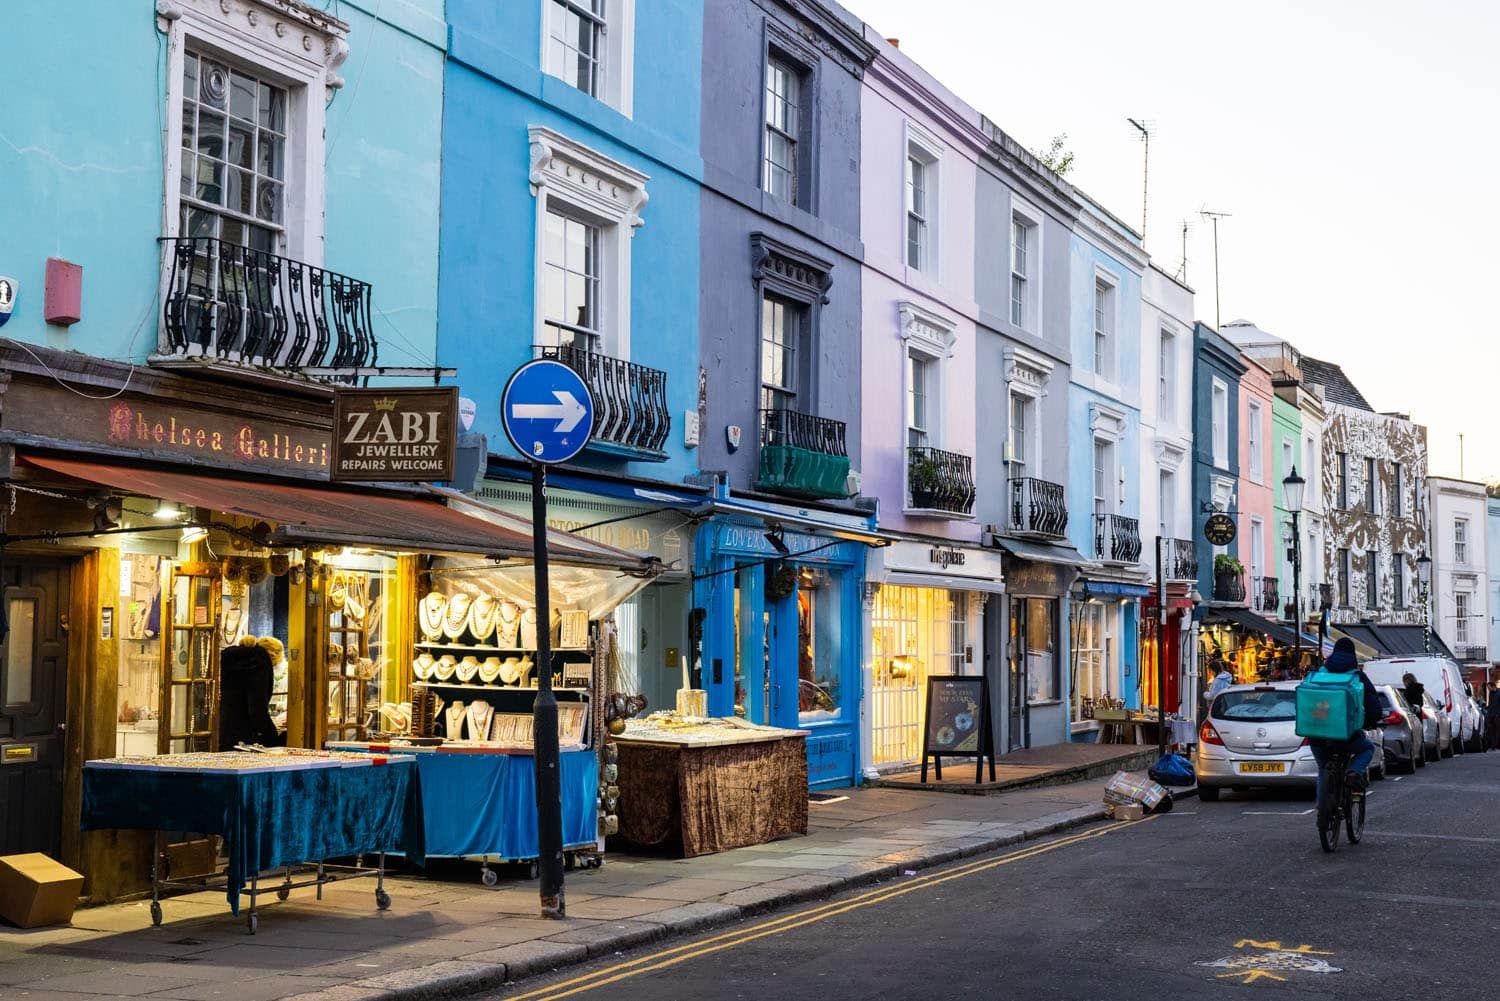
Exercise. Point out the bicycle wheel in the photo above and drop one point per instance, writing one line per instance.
(1328, 812)
(1354, 816)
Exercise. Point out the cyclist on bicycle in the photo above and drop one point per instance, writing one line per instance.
(1344, 661)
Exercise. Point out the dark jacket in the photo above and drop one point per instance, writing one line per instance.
(246, 680)
(1413, 694)
(1494, 706)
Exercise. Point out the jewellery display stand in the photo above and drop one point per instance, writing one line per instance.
(348, 644)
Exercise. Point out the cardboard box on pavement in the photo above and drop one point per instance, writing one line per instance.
(1132, 812)
(36, 890)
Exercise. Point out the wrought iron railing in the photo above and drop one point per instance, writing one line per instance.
(1037, 507)
(630, 400)
(1324, 597)
(940, 481)
(816, 434)
(224, 301)
(1229, 587)
(1181, 560)
(1267, 595)
(1117, 538)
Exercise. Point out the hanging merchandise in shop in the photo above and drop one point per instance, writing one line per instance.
(395, 434)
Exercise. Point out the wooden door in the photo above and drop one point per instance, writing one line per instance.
(33, 705)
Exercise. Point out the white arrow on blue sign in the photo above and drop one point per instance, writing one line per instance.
(547, 411)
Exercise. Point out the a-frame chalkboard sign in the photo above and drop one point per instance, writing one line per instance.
(958, 723)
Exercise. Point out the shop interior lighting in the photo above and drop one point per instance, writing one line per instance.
(167, 511)
(194, 533)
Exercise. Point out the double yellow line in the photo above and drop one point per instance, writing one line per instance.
(740, 936)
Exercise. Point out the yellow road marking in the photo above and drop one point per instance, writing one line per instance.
(1306, 950)
(1250, 976)
(728, 940)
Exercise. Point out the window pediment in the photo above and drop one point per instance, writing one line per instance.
(310, 41)
(789, 271)
(1027, 368)
(926, 329)
(1106, 421)
(586, 179)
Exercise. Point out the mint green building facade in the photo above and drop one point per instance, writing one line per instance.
(1286, 438)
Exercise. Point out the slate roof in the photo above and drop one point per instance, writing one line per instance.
(1336, 385)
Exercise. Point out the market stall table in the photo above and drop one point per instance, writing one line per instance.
(479, 799)
(275, 810)
(710, 785)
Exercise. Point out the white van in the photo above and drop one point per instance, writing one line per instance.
(1443, 681)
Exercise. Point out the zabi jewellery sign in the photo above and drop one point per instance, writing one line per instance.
(395, 434)
(1219, 529)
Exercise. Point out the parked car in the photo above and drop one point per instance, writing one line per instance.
(1443, 681)
(1478, 745)
(1377, 760)
(1401, 731)
(1442, 727)
(1250, 739)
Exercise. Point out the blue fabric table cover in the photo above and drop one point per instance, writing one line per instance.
(484, 803)
(267, 819)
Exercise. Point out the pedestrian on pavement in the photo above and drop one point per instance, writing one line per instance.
(1412, 689)
(1223, 678)
(1493, 718)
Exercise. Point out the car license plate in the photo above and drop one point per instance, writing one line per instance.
(1262, 767)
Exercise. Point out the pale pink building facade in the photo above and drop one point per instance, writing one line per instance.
(1256, 489)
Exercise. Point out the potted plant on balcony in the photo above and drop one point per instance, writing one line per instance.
(925, 475)
(1228, 572)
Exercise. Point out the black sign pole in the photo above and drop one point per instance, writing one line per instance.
(1161, 653)
(544, 716)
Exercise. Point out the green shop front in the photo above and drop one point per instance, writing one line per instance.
(780, 591)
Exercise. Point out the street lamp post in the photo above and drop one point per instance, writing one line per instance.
(1424, 575)
(1292, 489)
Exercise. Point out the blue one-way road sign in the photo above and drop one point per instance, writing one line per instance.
(547, 411)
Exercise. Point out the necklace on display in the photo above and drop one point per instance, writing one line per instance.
(430, 615)
(510, 624)
(456, 619)
(454, 717)
(480, 715)
(528, 630)
(482, 617)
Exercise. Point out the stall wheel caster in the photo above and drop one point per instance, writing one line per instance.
(596, 862)
(155, 914)
(382, 900)
(283, 892)
(489, 877)
(252, 922)
(533, 870)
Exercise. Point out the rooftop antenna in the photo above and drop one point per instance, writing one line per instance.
(1182, 268)
(1215, 217)
(1460, 455)
(1144, 127)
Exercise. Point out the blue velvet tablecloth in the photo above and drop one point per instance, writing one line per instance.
(485, 803)
(267, 819)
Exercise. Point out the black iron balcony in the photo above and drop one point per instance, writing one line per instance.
(940, 482)
(1117, 539)
(1324, 597)
(1266, 592)
(630, 401)
(1037, 507)
(802, 455)
(1181, 560)
(1229, 588)
(231, 303)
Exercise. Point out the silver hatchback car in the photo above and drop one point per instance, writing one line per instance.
(1250, 739)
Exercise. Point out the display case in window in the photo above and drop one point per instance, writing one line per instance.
(350, 667)
(190, 659)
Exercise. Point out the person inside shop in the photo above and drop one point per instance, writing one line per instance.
(1411, 690)
(246, 680)
(1223, 678)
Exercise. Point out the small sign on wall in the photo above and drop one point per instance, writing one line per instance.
(107, 622)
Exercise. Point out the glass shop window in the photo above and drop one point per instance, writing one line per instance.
(138, 620)
(20, 651)
(1041, 650)
(819, 646)
(361, 665)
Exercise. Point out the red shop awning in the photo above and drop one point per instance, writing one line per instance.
(312, 514)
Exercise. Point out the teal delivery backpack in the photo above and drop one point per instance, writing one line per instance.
(1330, 706)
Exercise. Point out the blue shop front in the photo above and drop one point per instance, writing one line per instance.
(782, 592)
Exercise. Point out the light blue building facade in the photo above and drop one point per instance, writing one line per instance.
(1103, 488)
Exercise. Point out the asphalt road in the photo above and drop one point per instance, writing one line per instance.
(1214, 900)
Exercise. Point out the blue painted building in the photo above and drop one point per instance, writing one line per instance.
(1217, 369)
(571, 172)
(1104, 428)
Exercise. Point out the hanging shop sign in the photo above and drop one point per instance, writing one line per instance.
(7, 298)
(395, 434)
(1219, 529)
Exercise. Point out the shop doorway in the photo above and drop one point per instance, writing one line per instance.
(33, 705)
(1015, 689)
(915, 632)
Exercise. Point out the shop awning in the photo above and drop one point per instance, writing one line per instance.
(301, 514)
(953, 582)
(800, 518)
(1042, 552)
(1395, 640)
(1246, 619)
(1115, 589)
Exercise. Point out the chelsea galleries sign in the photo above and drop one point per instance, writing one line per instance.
(395, 434)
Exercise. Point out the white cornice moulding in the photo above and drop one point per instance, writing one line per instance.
(295, 31)
(586, 178)
(926, 328)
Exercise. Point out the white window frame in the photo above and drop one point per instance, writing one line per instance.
(1030, 219)
(1166, 501)
(1312, 469)
(1026, 376)
(1256, 440)
(1370, 492)
(1166, 376)
(1461, 605)
(1257, 566)
(920, 358)
(300, 50)
(1219, 422)
(1105, 363)
(1461, 541)
(930, 336)
(921, 145)
(1289, 459)
(569, 177)
(617, 60)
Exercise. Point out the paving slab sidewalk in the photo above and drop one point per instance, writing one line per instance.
(450, 937)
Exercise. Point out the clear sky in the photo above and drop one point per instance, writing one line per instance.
(1353, 144)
